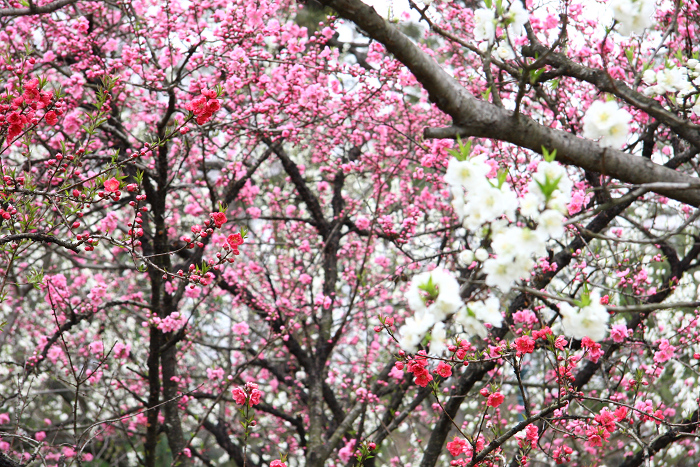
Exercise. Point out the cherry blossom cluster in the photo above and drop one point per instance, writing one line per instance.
(249, 394)
(204, 106)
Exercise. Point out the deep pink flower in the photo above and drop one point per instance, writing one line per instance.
(112, 185)
(444, 370)
(234, 240)
(495, 399)
(219, 218)
(456, 446)
(51, 118)
(525, 344)
(238, 395)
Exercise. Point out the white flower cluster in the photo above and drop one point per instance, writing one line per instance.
(434, 296)
(483, 202)
(486, 22)
(607, 121)
(589, 321)
(479, 201)
(682, 81)
(634, 16)
(668, 81)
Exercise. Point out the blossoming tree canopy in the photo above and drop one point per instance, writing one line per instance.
(271, 234)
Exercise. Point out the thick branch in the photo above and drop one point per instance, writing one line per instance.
(307, 196)
(602, 80)
(662, 442)
(473, 117)
(36, 10)
(37, 237)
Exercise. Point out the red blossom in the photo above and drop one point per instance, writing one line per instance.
(248, 394)
(204, 106)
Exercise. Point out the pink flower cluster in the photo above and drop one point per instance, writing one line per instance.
(529, 437)
(234, 241)
(204, 106)
(494, 399)
(461, 446)
(172, 322)
(248, 394)
(594, 349)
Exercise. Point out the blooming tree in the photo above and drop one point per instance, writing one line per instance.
(264, 233)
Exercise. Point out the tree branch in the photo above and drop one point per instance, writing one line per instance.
(473, 117)
(35, 10)
(37, 237)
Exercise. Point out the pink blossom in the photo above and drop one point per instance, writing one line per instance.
(594, 349)
(111, 185)
(219, 218)
(495, 399)
(444, 370)
(457, 446)
(665, 353)
(619, 333)
(346, 452)
(524, 345)
(122, 350)
(96, 347)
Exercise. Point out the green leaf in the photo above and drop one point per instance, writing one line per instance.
(462, 154)
(549, 156)
(35, 278)
(501, 177)
(535, 74)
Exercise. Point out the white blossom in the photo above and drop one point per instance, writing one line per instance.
(633, 15)
(550, 172)
(504, 52)
(484, 25)
(481, 255)
(469, 174)
(517, 16)
(447, 300)
(488, 311)
(470, 325)
(605, 120)
(671, 80)
(504, 273)
(530, 205)
(551, 223)
(649, 77)
(414, 329)
(466, 258)
(590, 321)
(438, 337)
